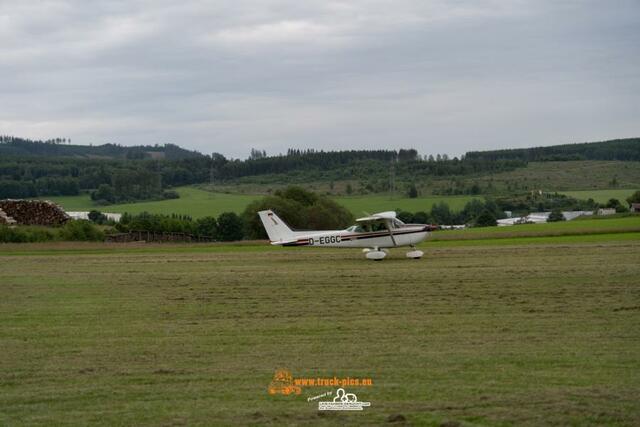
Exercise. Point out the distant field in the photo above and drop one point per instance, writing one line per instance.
(546, 176)
(192, 201)
(512, 333)
(563, 228)
(373, 204)
(601, 196)
(199, 203)
(564, 176)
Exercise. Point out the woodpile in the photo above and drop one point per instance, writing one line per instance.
(6, 219)
(33, 212)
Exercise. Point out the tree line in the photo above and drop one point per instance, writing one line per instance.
(118, 177)
(616, 149)
(303, 209)
(61, 147)
(337, 165)
(110, 181)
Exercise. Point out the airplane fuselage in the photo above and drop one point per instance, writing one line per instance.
(374, 233)
(408, 235)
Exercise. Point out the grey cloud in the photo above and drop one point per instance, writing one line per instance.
(227, 76)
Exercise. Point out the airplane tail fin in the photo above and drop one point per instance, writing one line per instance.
(277, 230)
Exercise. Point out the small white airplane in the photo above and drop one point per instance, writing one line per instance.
(374, 233)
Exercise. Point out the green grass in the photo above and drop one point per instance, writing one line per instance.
(199, 203)
(515, 334)
(601, 196)
(192, 201)
(562, 228)
(378, 203)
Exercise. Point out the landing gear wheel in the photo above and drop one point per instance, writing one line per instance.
(375, 254)
(414, 253)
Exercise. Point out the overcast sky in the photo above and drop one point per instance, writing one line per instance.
(226, 76)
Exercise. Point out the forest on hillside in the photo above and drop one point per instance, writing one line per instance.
(62, 147)
(615, 149)
(115, 174)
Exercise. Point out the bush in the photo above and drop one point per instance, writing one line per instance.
(170, 194)
(404, 216)
(81, 230)
(207, 226)
(486, 219)
(413, 191)
(25, 234)
(300, 209)
(289, 210)
(158, 223)
(555, 216)
(12, 235)
(229, 227)
(441, 213)
(97, 217)
(615, 204)
(634, 198)
(105, 194)
(524, 203)
(421, 218)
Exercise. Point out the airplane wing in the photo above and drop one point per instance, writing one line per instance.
(377, 217)
(382, 217)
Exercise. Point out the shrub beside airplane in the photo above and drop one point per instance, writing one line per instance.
(375, 233)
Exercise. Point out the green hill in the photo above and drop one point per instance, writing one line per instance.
(616, 149)
(61, 147)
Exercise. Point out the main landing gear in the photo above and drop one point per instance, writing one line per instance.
(378, 254)
(414, 253)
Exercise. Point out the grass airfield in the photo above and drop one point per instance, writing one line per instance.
(485, 330)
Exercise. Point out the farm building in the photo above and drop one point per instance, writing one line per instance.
(635, 207)
(606, 211)
(540, 218)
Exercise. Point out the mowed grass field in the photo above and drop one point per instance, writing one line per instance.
(379, 203)
(193, 201)
(199, 203)
(584, 227)
(602, 196)
(528, 331)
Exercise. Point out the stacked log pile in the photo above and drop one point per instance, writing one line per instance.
(6, 219)
(34, 212)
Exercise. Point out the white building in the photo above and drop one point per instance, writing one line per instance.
(540, 218)
(85, 215)
(606, 211)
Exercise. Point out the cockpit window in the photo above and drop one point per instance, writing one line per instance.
(378, 226)
(396, 223)
(367, 227)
